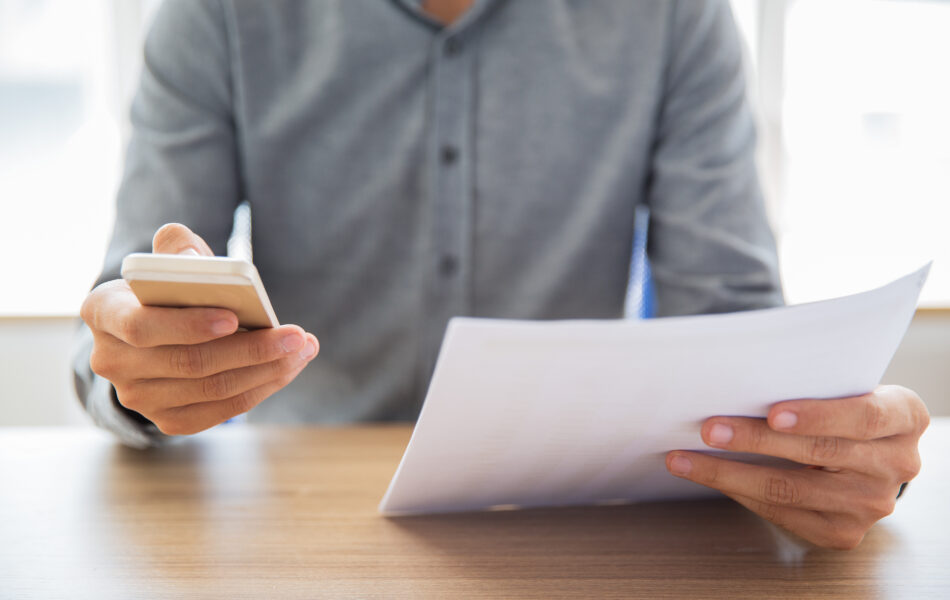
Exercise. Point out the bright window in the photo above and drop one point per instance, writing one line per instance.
(59, 151)
(853, 96)
(866, 130)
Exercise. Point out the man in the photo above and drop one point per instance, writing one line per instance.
(408, 162)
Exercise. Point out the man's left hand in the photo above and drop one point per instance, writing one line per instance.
(855, 455)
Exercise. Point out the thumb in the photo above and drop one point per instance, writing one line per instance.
(175, 238)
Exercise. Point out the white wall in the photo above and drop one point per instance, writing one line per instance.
(922, 362)
(37, 385)
(37, 381)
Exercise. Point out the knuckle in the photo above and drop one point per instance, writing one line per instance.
(132, 332)
(190, 361)
(909, 467)
(129, 397)
(166, 426)
(882, 506)
(844, 537)
(173, 425)
(921, 414)
(90, 309)
(923, 420)
(102, 363)
(87, 311)
(874, 417)
(781, 491)
(845, 541)
(218, 386)
(707, 475)
(770, 512)
(756, 437)
(257, 352)
(240, 404)
(823, 449)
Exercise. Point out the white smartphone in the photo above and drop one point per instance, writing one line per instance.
(181, 280)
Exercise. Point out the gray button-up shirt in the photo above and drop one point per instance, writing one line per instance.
(401, 173)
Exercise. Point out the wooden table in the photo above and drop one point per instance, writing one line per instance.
(282, 513)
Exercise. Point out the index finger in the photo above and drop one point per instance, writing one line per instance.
(243, 349)
(112, 308)
(885, 412)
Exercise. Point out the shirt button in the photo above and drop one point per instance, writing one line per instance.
(449, 154)
(452, 46)
(448, 265)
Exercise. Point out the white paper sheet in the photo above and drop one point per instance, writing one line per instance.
(542, 413)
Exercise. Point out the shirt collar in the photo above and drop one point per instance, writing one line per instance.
(473, 14)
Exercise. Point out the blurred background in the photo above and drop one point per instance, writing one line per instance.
(852, 99)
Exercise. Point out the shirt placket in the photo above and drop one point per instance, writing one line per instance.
(450, 161)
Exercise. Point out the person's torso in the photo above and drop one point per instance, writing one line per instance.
(401, 174)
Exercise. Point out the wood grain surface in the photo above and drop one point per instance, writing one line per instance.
(247, 512)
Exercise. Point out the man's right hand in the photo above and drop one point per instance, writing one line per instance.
(187, 369)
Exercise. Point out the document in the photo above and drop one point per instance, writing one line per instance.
(556, 413)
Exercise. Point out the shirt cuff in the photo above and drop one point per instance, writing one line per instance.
(99, 399)
(131, 428)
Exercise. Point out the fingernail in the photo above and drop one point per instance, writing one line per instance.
(720, 434)
(308, 350)
(785, 420)
(221, 327)
(680, 465)
(189, 251)
(292, 342)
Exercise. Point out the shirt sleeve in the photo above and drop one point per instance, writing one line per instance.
(181, 166)
(711, 247)
(99, 399)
